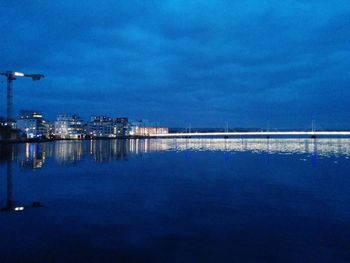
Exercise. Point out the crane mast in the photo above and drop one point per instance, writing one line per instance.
(11, 76)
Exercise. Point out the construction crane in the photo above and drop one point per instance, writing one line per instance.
(11, 76)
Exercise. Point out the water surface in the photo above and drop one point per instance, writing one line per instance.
(176, 200)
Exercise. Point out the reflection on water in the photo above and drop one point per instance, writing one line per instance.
(10, 204)
(182, 199)
(33, 155)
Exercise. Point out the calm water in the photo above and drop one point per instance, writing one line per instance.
(176, 200)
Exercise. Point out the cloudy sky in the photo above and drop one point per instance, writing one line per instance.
(253, 63)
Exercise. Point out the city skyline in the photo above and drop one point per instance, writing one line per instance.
(208, 63)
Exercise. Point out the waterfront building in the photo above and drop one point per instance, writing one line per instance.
(100, 126)
(69, 126)
(32, 124)
(132, 129)
(135, 127)
(121, 127)
(149, 130)
(49, 129)
(141, 128)
(103, 126)
(162, 130)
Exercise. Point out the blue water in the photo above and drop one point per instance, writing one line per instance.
(176, 200)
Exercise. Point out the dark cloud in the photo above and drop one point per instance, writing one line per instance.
(209, 62)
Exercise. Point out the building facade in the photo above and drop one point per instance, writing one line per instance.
(121, 127)
(32, 124)
(100, 126)
(141, 128)
(147, 131)
(69, 126)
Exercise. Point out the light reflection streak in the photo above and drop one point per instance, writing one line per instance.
(323, 147)
(34, 155)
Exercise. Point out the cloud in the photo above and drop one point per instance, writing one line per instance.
(205, 62)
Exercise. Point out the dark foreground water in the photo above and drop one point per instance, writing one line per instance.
(176, 200)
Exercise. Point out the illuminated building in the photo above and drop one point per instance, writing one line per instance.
(121, 127)
(147, 131)
(162, 130)
(100, 126)
(144, 129)
(32, 124)
(69, 126)
(49, 128)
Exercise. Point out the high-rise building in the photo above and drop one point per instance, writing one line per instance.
(32, 124)
(69, 126)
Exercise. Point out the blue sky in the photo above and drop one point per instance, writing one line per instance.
(248, 63)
